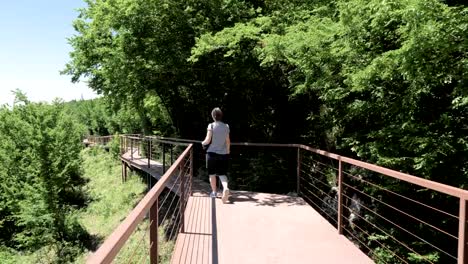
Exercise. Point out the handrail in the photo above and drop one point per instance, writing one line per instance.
(253, 144)
(111, 246)
(436, 186)
(440, 187)
(341, 173)
(152, 138)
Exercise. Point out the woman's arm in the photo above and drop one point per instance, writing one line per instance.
(208, 137)
(228, 144)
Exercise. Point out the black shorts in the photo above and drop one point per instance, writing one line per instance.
(217, 164)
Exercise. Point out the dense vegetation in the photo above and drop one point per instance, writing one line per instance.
(41, 183)
(382, 81)
(112, 201)
(100, 118)
(59, 201)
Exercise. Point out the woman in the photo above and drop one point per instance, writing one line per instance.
(217, 155)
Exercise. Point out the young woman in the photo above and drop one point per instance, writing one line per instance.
(217, 154)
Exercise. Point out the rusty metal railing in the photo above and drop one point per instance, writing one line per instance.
(392, 216)
(161, 212)
(99, 140)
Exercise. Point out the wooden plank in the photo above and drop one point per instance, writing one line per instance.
(197, 247)
(194, 245)
(181, 238)
(202, 258)
(190, 240)
(211, 231)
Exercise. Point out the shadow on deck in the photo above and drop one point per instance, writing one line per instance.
(241, 232)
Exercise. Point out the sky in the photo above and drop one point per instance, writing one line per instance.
(34, 49)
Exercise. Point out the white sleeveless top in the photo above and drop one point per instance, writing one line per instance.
(218, 140)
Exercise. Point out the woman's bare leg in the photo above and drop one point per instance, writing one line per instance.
(213, 183)
(224, 182)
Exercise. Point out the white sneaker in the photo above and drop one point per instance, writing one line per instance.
(225, 195)
(212, 195)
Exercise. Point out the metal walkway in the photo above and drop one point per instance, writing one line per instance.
(260, 228)
(255, 228)
(177, 222)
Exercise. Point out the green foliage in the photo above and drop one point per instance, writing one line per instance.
(383, 81)
(395, 67)
(40, 178)
(112, 200)
(99, 118)
(415, 258)
(138, 53)
(114, 147)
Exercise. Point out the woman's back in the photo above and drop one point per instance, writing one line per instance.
(217, 156)
(220, 131)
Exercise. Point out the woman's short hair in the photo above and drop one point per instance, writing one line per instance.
(217, 114)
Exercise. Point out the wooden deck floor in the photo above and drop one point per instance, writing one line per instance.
(253, 228)
(156, 171)
(141, 163)
(260, 228)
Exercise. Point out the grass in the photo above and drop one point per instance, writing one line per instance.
(112, 201)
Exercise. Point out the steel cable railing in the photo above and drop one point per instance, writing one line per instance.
(406, 218)
(399, 195)
(153, 225)
(392, 216)
(383, 232)
(367, 213)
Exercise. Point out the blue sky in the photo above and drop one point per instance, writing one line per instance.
(34, 48)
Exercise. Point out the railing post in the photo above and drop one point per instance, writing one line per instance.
(164, 158)
(462, 233)
(191, 172)
(131, 148)
(154, 233)
(299, 161)
(123, 169)
(138, 147)
(182, 197)
(340, 198)
(148, 153)
(122, 146)
(172, 160)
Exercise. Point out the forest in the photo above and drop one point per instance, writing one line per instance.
(382, 81)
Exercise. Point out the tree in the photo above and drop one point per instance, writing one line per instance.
(383, 81)
(131, 50)
(40, 178)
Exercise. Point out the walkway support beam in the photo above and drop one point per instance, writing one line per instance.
(340, 198)
(164, 157)
(148, 153)
(462, 233)
(299, 161)
(154, 233)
